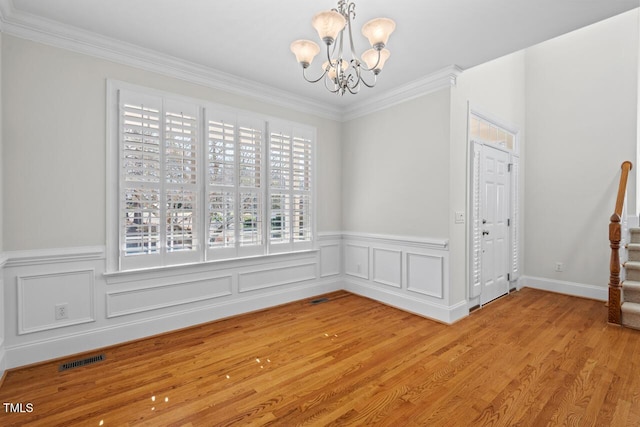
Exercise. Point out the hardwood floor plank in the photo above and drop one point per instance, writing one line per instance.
(528, 359)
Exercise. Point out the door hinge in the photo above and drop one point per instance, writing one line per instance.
(508, 222)
(508, 277)
(509, 167)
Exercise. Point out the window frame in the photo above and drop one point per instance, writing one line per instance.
(116, 259)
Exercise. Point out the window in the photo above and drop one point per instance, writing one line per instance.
(481, 129)
(199, 182)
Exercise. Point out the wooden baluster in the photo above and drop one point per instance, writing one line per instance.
(615, 236)
(614, 266)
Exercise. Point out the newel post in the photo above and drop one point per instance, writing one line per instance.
(614, 279)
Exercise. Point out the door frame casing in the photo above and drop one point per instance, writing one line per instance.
(474, 145)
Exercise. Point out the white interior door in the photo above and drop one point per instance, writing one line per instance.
(494, 214)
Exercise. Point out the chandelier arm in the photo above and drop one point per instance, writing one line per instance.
(334, 90)
(353, 50)
(355, 88)
(375, 80)
(313, 81)
(354, 78)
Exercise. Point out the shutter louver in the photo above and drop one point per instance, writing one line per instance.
(302, 189)
(180, 217)
(290, 182)
(280, 183)
(280, 211)
(221, 163)
(141, 221)
(181, 170)
(140, 142)
(250, 183)
(515, 219)
(280, 158)
(476, 236)
(221, 224)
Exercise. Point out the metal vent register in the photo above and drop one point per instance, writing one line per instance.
(82, 362)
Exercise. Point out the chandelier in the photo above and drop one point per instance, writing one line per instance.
(340, 75)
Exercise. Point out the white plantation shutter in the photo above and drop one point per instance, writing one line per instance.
(140, 136)
(158, 181)
(280, 186)
(476, 223)
(250, 187)
(515, 218)
(290, 187)
(221, 184)
(301, 189)
(182, 143)
(191, 181)
(234, 185)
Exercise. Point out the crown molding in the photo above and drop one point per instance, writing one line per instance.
(34, 28)
(6, 6)
(433, 82)
(41, 30)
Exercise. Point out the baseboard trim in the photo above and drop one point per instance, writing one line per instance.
(90, 340)
(581, 290)
(421, 307)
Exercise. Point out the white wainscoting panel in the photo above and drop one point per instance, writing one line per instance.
(130, 301)
(330, 259)
(387, 267)
(39, 294)
(405, 272)
(425, 274)
(357, 260)
(110, 308)
(277, 276)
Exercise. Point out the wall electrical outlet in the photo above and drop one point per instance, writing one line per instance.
(62, 311)
(559, 266)
(459, 216)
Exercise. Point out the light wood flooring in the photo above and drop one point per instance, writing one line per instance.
(529, 359)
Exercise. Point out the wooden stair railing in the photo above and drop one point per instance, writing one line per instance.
(615, 236)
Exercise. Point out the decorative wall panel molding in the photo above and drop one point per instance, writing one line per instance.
(408, 274)
(269, 277)
(425, 274)
(38, 296)
(330, 259)
(387, 267)
(130, 301)
(357, 260)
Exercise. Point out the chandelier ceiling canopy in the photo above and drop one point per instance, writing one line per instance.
(340, 74)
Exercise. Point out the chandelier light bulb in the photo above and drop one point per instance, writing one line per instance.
(328, 24)
(305, 51)
(377, 31)
(375, 59)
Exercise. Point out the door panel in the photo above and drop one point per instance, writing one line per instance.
(494, 207)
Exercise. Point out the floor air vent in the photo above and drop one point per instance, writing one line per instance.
(82, 362)
(319, 300)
